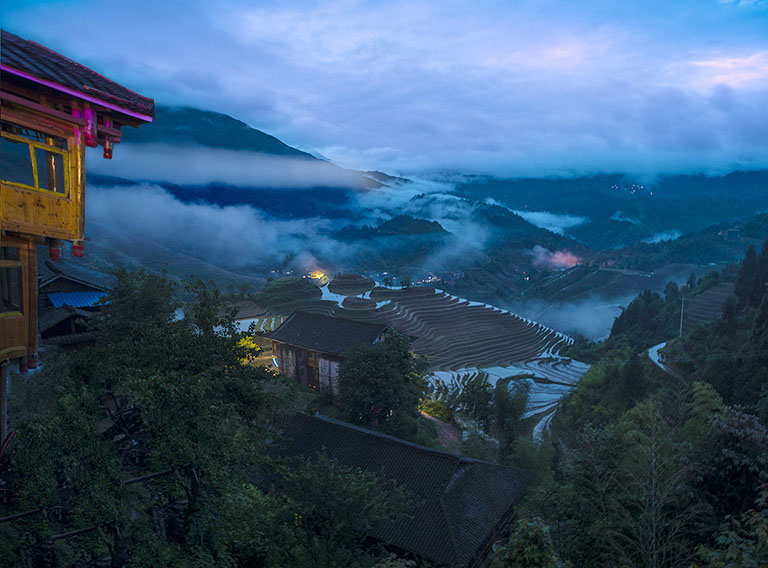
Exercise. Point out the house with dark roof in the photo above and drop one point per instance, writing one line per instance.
(67, 283)
(68, 295)
(310, 347)
(68, 276)
(466, 504)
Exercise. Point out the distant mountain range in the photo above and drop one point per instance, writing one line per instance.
(187, 125)
(618, 211)
(504, 234)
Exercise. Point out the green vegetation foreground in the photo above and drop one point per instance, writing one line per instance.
(140, 451)
(660, 470)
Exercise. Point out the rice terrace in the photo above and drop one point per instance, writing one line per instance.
(462, 340)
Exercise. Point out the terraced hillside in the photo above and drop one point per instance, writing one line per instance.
(451, 332)
(707, 306)
(454, 333)
(463, 338)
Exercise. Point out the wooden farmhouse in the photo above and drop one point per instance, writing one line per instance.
(309, 347)
(67, 297)
(51, 108)
(465, 505)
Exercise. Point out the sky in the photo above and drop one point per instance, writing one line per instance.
(528, 88)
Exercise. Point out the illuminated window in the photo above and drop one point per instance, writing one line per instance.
(10, 282)
(32, 159)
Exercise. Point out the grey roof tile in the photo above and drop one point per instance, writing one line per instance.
(44, 63)
(463, 499)
(324, 333)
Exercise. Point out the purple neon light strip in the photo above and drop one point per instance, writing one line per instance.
(75, 93)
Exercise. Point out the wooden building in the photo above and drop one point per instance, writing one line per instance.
(51, 108)
(310, 347)
(68, 295)
(464, 505)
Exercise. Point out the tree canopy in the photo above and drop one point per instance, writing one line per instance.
(380, 385)
(146, 445)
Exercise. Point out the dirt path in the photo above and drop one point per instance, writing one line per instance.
(449, 435)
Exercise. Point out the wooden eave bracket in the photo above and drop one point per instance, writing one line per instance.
(42, 109)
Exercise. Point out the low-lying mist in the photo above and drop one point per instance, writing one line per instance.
(245, 237)
(232, 236)
(591, 316)
(201, 165)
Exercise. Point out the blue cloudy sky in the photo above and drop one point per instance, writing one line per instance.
(505, 87)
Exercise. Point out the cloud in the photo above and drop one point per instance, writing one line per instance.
(591, 317)
(551, 88)
(557, 260)
(619, 216)
(557, 223)
(245, 237)
(665, 236)
(200, 165)
(232, 236)
(733, 71)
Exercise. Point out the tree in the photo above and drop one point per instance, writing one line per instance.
(691, 283)
(380, 385)
(734, 461)
(328, 509)
(529, 546)
(749, 283)
(509, 401)
(742, 542)
(179, 402)
(672, 292)
(652, 513)
(763, 261)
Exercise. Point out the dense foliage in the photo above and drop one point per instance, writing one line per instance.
(380, 386)
(665, 469)
(147, 444)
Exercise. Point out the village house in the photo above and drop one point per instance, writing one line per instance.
(52, 108)
(309, 347)
(465, 506)
(68, 295)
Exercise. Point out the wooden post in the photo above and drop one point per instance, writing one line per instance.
(682, 313)
(30, 293)
(3, 401)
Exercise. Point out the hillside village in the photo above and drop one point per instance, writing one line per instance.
(343, 419)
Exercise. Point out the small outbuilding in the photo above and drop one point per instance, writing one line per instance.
(310, 347)
(69, 294)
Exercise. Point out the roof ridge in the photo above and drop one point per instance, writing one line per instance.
(340, 318)
(80, 65)
(449, 526)
(378, 434)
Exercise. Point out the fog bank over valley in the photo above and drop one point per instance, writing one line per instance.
(193, 164)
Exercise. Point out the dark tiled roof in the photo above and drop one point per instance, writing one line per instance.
(463, 499)
(324, 333)
(54, 316)
(43, 63)
(49, 271)
(86, 336)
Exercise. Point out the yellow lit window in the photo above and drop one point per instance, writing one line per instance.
(32, 159)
